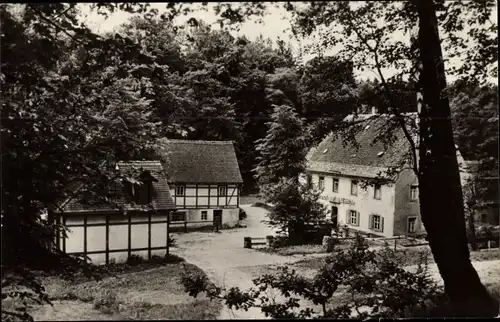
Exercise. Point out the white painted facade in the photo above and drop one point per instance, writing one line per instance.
(363, 202)
(88, 236)
(200, 201)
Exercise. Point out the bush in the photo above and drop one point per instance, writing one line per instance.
(242, 214)
(134, 260)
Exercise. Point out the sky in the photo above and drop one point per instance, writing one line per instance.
(275, 26)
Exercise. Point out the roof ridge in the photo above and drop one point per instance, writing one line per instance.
(201, 142)
(141, 161)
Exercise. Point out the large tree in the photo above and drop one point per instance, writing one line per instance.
(372, 35)
(65, 111)
(281, 160)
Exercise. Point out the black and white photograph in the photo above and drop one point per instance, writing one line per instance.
(249, 160)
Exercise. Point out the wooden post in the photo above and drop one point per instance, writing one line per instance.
(185, 226)
(168, 230)
(247, 242)
(58, 241)
(395, 243)
(209, 196)
(85, 235)
(238, 196)
(129, 234)
(107, 239)
(63, 235)
(149, 234)
(196, 201)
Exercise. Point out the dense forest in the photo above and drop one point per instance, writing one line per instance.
(72, 98)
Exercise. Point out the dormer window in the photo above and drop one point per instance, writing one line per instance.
(140, 190)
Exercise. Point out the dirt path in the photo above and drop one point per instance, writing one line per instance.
(223, 258)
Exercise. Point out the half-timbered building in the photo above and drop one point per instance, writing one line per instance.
(135, 222)
(205, 181)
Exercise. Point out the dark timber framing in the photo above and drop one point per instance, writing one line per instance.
(208, 196)
(127, 221)
(64, 239)
(107, 239)
(85, 235)
(195, 204)
(196, 201)
(149, 235)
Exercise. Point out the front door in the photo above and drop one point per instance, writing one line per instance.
(217, 219)
(335, 212)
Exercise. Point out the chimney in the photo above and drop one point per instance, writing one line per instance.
(374, 110)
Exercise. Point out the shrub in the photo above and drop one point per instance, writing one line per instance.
(242, 214)
(134, 260)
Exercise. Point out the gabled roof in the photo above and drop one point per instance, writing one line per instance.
(161, 199)
(201, 161)
(365, 159)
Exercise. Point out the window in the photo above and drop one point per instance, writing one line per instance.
(321, 182)
(222, 191)
(144, 193)
(353, 218)
(376, 223)
(412, 224)
(377, 191)
(413, 193)
(140, 194)
(335, 186)
(204, 215)
(354, 187)
(180, 190)
(179, 216)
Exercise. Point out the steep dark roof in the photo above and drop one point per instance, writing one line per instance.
(161, 199)
(201, 161)
(367, 159)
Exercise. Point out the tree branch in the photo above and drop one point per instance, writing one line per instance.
(364, 41)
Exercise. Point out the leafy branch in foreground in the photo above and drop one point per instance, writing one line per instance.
(356, 282)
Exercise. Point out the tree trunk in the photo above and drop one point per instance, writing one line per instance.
(441, 200)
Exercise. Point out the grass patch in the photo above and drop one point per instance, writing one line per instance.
(410, 256)
(154, 293)
(295, 250)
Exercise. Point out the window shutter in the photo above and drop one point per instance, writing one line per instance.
(357, 218)
(347, 217)
(382, 224)
(370, 224)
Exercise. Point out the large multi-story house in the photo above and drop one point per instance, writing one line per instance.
(205, 181)
(352, 191)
